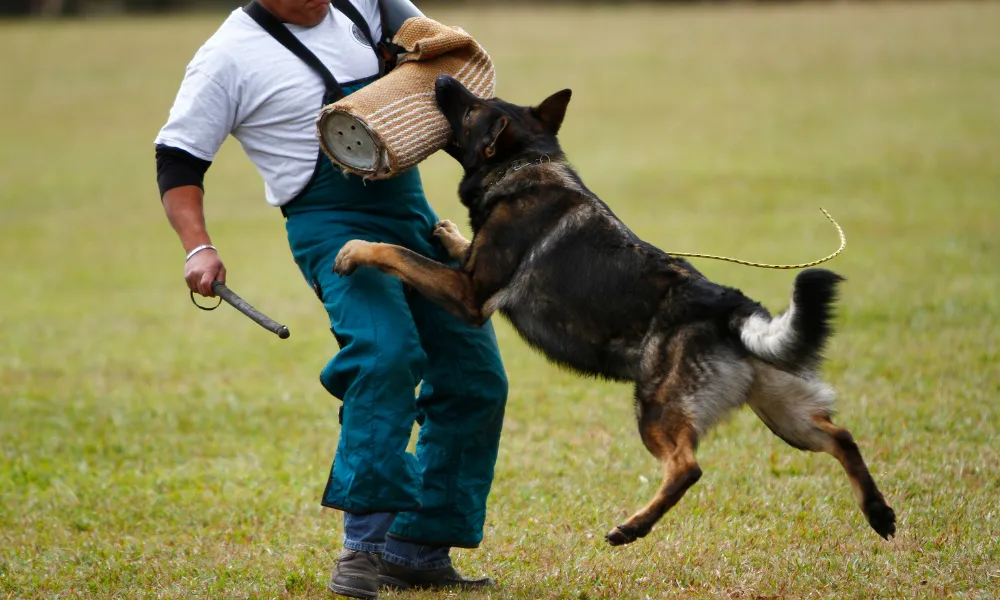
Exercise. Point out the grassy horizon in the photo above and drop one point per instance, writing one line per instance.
(150, 450)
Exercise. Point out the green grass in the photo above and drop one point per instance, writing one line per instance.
(148, 449)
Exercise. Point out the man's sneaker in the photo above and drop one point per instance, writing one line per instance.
(356, 575)
(404, 578)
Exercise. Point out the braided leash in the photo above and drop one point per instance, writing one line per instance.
(843, 244)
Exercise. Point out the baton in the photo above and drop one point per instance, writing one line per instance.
(244, 307)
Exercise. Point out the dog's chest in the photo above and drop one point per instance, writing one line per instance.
(559, 306)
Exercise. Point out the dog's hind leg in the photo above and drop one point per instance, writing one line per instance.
(669, 435)
(681, 393)
(840, 444)
(798, 411)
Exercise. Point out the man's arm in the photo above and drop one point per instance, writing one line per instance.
(200, 120)
(183, 206)
(180, 176)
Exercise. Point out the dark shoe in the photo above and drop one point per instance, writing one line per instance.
(356, 575)
(404, 578)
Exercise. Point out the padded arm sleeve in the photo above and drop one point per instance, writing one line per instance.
(176, 167)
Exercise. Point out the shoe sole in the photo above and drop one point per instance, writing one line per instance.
(392, 583)
(350, 592)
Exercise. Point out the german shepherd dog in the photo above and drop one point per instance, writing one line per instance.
(578, 285)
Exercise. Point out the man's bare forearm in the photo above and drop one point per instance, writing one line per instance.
(184, 208)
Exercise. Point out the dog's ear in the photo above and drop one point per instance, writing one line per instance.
(496, 130)
(552, 110)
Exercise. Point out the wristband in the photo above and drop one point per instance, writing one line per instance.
(199, 249)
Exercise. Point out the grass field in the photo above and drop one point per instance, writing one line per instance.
(148, 449)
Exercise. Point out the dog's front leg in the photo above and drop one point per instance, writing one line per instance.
(451, 288)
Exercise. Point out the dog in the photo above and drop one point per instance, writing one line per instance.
(578, 285)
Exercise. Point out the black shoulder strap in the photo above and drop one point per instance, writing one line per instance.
(279, 32)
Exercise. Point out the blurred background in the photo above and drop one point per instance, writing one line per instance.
(149, 449)
(55, 8)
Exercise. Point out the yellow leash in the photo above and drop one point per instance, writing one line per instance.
(843, 244)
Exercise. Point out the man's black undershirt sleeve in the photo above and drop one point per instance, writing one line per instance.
(176, 167)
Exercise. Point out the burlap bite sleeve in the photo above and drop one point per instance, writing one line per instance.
(392, 124)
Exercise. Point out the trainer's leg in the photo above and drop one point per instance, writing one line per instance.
(366, 531)
(375, 374)
(461, 409)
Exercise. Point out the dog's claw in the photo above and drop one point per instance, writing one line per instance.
(346, 262)
(344, 268)
(882, 519)
(621, 535)
(445, 227)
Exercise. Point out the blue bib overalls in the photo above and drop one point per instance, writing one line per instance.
(393, 340)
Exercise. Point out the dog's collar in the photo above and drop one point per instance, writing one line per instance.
(517, 165)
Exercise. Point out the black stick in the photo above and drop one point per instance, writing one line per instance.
(244, 307)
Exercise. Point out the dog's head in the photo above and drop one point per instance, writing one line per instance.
(487, 132)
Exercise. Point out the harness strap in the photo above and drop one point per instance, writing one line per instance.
(277, 30)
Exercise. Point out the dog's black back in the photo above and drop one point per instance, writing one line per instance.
(573, 280)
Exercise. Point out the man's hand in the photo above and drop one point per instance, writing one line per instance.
(204, 268)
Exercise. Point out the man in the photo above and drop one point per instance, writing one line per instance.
(402, 513)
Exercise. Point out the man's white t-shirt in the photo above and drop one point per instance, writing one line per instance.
(243, 82)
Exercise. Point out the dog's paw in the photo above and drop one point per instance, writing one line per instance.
(350, 257)
(446, 229)
(621, 535)
(451, 238)
(882, 518)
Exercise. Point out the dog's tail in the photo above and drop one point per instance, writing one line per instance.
(794, 340)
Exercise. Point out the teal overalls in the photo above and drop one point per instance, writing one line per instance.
(392, 340)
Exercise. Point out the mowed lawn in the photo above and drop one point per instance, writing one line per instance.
(148, 449)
